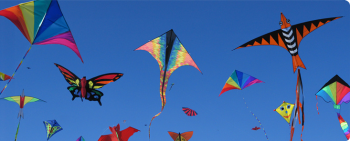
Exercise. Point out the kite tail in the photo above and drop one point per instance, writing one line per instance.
(16, 69)
(316, 105)
(344, 126)
(20, 113)
(17, 129)
(256, 119)
(297, 62)
(149, 127)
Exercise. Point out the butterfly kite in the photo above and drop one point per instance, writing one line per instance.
(256, 128)
(4, 77)
(21, 101)
(118, 135)
(170, 55)
(337, 91)
(80, 139)
(289, 37)
(181, 137)
(41, 22)
(87, 88)
(189, 112)
(52, 127)
(240, 80)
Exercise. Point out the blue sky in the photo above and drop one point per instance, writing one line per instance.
(107, 32)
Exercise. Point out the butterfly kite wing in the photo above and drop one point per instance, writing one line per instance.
(184, 136)
(70, 77)
(189, 112)
(104, 79)
(239, 80)
(42, 22)
(303, 29)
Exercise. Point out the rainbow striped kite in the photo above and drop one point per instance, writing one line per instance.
(4, 77)
(41, 22)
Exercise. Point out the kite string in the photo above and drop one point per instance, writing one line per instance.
(16, 69)
(256, 119)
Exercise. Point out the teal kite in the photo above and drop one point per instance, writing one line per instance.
(52, 127)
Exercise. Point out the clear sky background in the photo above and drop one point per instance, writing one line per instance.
(107, 32)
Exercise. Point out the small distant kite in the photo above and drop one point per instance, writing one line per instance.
(28, 67)
(289, 37)
(189, 112)
(337, 91)
(171, 86)
(118, 135)
(256, 128)
(124, 121)
(80, 139)
(181, 137)
(4, 77)
(52, 127)
(87, 88)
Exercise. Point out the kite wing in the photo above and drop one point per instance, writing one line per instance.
(26, 99)
(239, 80)
(42, 22)
(101, 80)
(189, 112)
(272, 38)
(70, 77)
(4, 77)
(80, 139)
(285, 110)
(127, 133)
(303, 29)
(170, 55)
(52, 127)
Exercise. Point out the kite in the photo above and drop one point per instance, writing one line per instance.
(171, 86)
(4, 77)
(256, 128)
(337, 91)
(285, 110)
(41, 22)
(289, 37)
(21, 101)
(240, 80)
(28, 68)
(124, 121)
(118, 135)
(87, 88)
(170, 55)
(80, 139)
(52, 127)
(181, 137)
(189, 112)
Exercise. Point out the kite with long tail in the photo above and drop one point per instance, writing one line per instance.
(337, 91)
(41, 22)
(21, 101)
(170, 55)
(239, 80)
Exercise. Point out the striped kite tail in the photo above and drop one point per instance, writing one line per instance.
(344, 126)
(149, 127)
(17, 129)
(16, 69)
(256, 118)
